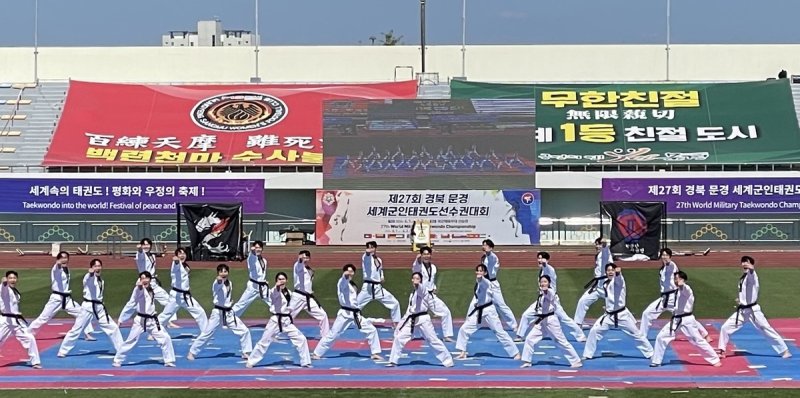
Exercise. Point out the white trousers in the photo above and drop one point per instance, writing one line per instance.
(343, 321)
(107, 324)
(159, 335)
(311, 306)
(587, 299)
(625, 322)
(298, 341)
(23, 335)
(655, 309)
(404, 334)
(176, 301)
(491, 319)
(52, 307)
(530, 315)
(503, 310)
(440, 309)
(757, 318)
(250, 294)
(233, 323)
(160, 295)
(368, 291)
(689, 327)
(549, 326)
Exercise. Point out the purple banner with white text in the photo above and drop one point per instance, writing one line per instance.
(124, 196)
(709, 195)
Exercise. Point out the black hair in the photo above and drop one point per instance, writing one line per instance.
(258, 243)
(180, 250)
(423, 249)
(12, 272)
(544, 255)
(223, 267)
(146, 274)
(95, 261)
(665, 250)
(346, 266)
(488, 242)
(372, 243)
(481, 267)
(306, 252)
(281, 274)
(749, 260)
(418, 274)
(147, 241)
(612, 265)
(545, 277)
(682, 275)
(61, 255)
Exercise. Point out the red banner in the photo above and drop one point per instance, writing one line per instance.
(130, 124)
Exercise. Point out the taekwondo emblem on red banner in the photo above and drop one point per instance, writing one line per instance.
(200, 125)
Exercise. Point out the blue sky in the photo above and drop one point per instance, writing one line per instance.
(348, 22)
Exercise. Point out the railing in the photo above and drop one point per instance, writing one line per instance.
(566, 231)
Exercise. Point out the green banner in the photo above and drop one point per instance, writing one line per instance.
(722, 123)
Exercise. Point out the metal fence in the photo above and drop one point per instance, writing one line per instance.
(567, 231)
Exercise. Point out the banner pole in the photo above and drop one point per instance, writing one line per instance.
(178, 221)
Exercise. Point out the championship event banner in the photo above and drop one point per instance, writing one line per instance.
(124, 196)
(200, 125)
(723, 123)
(709, 195)
(509, 217)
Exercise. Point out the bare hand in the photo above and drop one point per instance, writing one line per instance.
(176, 259)
(419, 256)
(220, 278)
(139, 246)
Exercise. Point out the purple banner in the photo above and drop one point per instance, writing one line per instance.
(124, 196)
(709, 195)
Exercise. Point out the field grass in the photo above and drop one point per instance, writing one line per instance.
(715, 289)
(405, 393)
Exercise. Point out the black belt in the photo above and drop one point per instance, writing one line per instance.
(614, 315)
(280, 320)
(95, 303)
(678, 323)
(541, 317)
(355, 312)
(413, 318)
(18, 317)
(491, 279)
(741, 307)
(225, 311)
(260, 287)
(308, 296)
(665, 297)
(64, 297)
(187, 295)
(479, 310)
(372, 288)
(592, 284)
(145, 317)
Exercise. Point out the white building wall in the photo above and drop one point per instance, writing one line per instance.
(377, 63)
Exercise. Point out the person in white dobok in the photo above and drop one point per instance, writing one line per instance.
(348, 314)
(683, 320)
(547, 325)
(257, 285)
(146, 321)
(181, 294)
(492, 263)
(280, 322)
(428, 270)
(372, 288)
(617, 315)
(303, 297)
(12, 321)
(666, 301)
(481, 310)
(146, 261)
(93, 309)
(593, 290)
(417, 317)
(545, 268)
(748, 310)
(60, 297)
(221, 292)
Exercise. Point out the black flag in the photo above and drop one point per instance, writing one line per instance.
(635, 227)
(215, 229)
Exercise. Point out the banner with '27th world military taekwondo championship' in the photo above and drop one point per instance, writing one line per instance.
(713, 123)
(709, 195)
(508, 217)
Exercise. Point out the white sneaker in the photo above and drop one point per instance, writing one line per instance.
(169, 364)
(190, 356)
